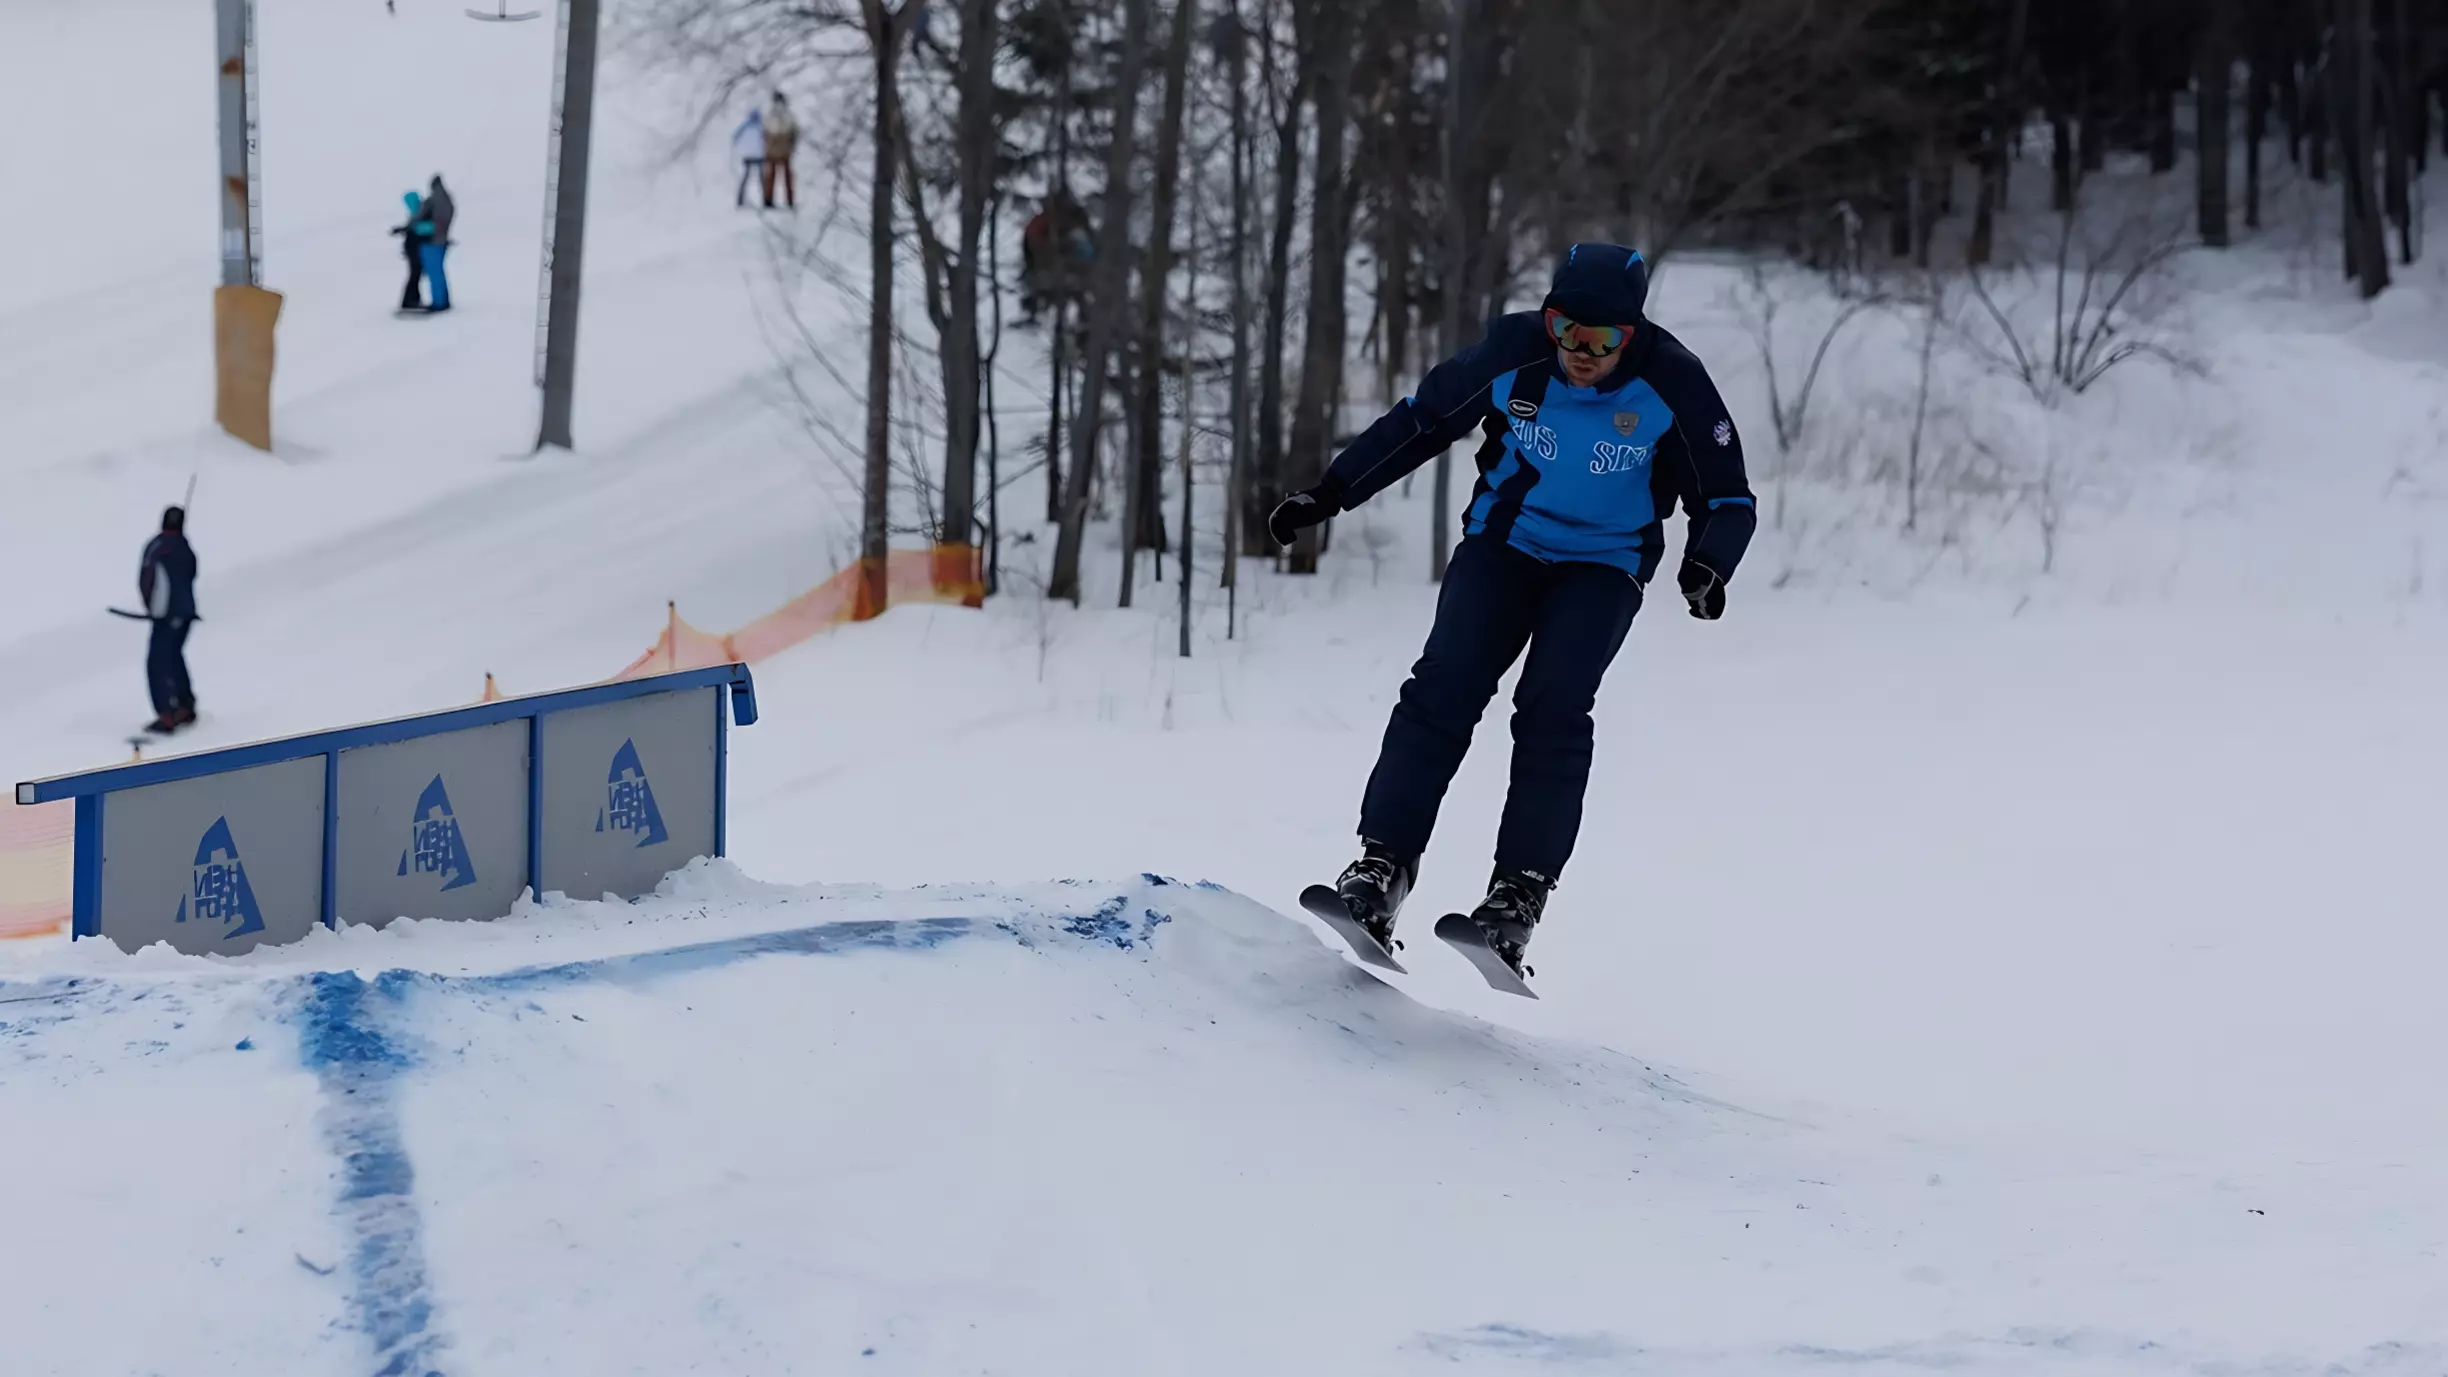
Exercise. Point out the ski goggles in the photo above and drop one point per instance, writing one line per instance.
(1597, 341)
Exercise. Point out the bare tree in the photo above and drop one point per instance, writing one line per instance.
(1758, 305)
(886, 29)
(1457, 253)
(1143, 508)
(1933, 303)
(2213, 67)
(1109, 284)
(1331, 31)
(2103, 304)
(1233, 39)
(2350, 101)
(2006, 113)
(1266, 485)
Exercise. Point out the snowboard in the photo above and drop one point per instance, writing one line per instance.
(1462, 933)
(1328, 907)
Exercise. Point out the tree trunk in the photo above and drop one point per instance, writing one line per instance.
(875, 516)
(1456, 271)
(2351, 100)
(2213, 66)
(962, 370)
(2291, 111)
(1236, 492)
(2005, 116)
(2256, 129)
(1322, 349)
(2398, 98)
(1110, 284)
(2091, 123)
(1397, 252)
(1143, 510)
(2129, 116)
(2061, 161)
(1054, 489)
(1900, 215)
(2419, 128)
(1267, 484)
(2319, 121)
(2162, 103)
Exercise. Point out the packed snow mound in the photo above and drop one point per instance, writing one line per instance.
(742, 1128)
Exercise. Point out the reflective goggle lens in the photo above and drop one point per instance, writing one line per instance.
(1597, 341)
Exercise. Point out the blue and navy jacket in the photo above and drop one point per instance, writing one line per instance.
(1569, 473)
(165, 578)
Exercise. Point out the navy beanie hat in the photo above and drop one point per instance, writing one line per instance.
(1600, 284)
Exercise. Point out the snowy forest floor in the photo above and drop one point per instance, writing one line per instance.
(2072, 924)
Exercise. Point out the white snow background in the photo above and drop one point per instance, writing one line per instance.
(1965, 967)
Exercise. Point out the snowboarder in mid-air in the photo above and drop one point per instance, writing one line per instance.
(1597, 423)
(165, 581)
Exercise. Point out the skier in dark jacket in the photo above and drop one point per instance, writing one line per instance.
(416, 235)
(165, 580)
(1597, 422)
(440, 209)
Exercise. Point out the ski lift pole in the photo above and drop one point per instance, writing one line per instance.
(573, 123)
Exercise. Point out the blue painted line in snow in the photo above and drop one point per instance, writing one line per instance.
(917, 934)
(346, 1038)
(342, 1041)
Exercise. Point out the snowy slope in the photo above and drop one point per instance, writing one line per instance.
(2104, 897)
(744, 1130)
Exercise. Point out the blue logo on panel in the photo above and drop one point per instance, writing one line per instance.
(219, 892)
(629, 801)
(435, 846)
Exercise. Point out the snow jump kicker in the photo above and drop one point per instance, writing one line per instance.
(592, 792)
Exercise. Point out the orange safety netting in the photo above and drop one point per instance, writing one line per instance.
(38, 843)
(37, 868)
(944, 574)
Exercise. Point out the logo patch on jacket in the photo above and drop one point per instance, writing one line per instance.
(1626, 422)
(1724, 433)
(1522, 408)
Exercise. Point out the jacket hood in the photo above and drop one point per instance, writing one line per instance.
(1600, 284)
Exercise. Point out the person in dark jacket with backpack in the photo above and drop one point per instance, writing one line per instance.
(1597, 423)
(439, 209)
(165, 580)
(416, 235)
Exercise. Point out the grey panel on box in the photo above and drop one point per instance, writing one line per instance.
(628, 793)
(224, 863)
(433, 828)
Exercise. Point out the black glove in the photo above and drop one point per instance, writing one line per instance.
(1702, 589)
(1299, 512)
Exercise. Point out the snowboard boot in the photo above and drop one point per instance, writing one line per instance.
(1514, 901)
(1374, 888)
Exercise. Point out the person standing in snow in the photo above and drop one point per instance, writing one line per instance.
(165, 581)
(415, 234)
(439, 209)
(781, 141)
(748, 145)
(1597, 423)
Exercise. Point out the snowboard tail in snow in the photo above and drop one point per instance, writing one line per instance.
(1330, 908)
(1463, 933)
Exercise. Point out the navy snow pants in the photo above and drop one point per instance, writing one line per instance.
(1496, 601)
(166, 666)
